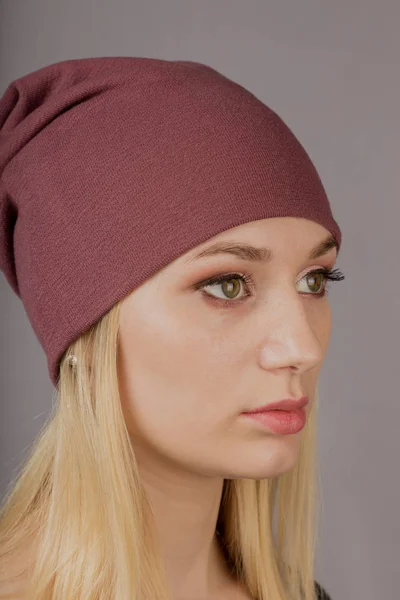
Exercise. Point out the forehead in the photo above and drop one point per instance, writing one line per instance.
(266, 239)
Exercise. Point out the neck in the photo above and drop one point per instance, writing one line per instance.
(185, 512)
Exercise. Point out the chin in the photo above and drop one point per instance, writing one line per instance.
(262, 466)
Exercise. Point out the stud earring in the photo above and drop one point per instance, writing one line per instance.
(72, 360)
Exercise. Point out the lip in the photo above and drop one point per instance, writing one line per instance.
(285, 404)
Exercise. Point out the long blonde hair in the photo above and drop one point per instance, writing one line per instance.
(79, 499)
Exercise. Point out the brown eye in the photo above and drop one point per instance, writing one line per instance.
(315, 281)
(230, 287)
(318, 279)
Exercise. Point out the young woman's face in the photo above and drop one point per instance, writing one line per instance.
(192, 360)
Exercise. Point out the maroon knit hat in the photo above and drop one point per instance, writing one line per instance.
(111, 168)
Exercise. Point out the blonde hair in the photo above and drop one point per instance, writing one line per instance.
(79, 499)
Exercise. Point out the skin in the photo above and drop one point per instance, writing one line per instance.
(188, 367)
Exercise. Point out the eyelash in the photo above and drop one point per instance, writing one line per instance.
(329, 274)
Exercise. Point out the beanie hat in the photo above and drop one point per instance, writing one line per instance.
(112, 167)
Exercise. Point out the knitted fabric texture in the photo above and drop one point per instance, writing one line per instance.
(112, 167)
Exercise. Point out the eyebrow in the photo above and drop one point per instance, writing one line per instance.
(258, 253)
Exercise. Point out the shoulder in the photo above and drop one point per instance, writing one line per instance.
(321, 593)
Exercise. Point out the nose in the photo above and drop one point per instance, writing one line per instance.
(290, 340)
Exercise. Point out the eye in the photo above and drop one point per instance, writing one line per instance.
(315, 281)
(319, 279)
(232, 284)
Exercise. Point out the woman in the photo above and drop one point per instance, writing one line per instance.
(171, 242)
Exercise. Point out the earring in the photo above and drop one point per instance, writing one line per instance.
(72, 360)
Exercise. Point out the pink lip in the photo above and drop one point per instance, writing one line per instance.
(282, 422)
(286, 404)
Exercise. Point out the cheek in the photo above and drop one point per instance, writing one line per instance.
(171, 383)
(324, 328)
(319, 315)
(321, 322)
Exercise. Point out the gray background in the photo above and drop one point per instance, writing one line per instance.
(331, 70)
